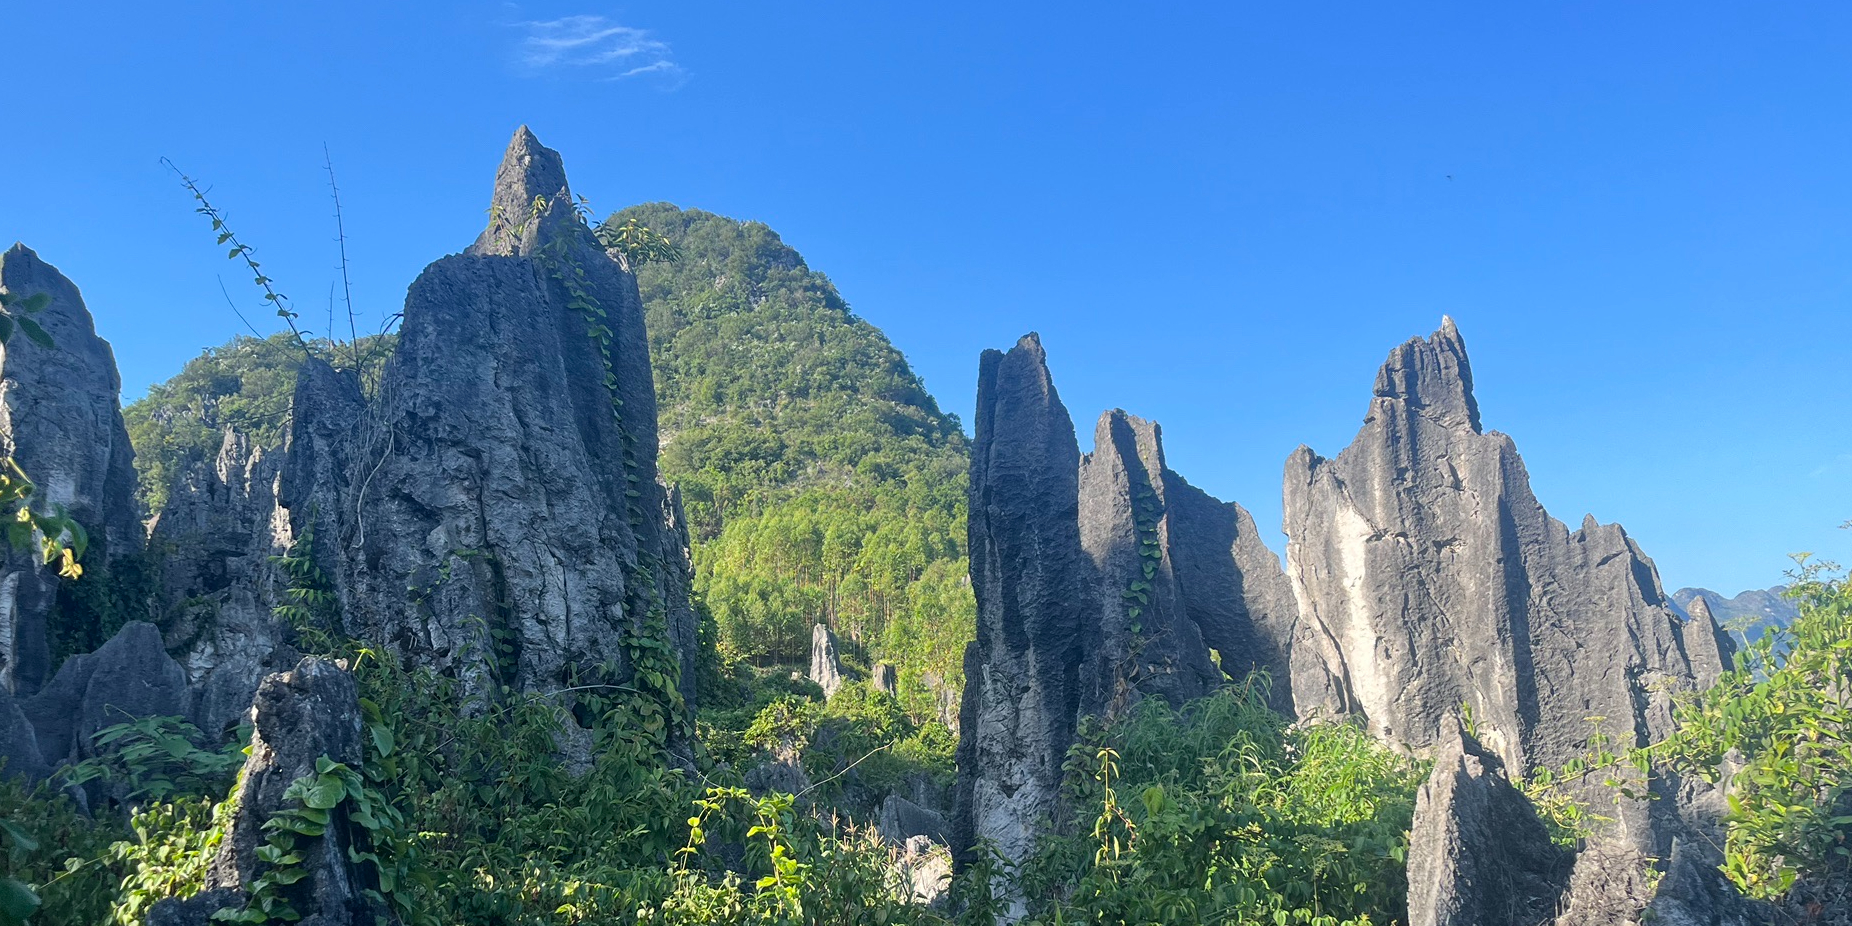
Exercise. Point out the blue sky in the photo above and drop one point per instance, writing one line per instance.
(1221, 216)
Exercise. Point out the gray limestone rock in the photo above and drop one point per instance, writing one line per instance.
(1030, 576)
(1142, 641)
(495, 511)
(299, 717)
(885, 680)
(61, 420)
(219, 591)
(1429, 578)
(129, 678)
(900, 819)
(825, 666)
(19, 743)
(1477, 854)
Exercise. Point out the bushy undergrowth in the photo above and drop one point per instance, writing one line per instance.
(1220, 812)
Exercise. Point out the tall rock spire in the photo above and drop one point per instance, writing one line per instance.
(1031, 579)
(495, 510)
(61, 419)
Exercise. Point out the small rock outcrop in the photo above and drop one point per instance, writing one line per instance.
(1478, 855)
(885, 680)
(496, 511)
(299, 717)
(1030, 576)
(825, 666)
(61, 421)
(219, 586)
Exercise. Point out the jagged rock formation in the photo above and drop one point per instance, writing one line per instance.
(495, 511)
(219, 588)
(1429, 577)
(1098, 582)
(1142, 640)
(1745, 616)
(825, 666)
(1478, 855)
(1030, 576)
(299, 717)
(61, 420)
(129, 678)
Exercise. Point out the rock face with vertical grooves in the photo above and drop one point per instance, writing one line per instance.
(1030, 577)
(1429, 577)
(825, 665)
(61, 420)
(219, 587)
(1098, 582)
(1478, 855)
(1143, 640)
(495, 510)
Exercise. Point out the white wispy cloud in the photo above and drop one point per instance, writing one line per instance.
(597, 46)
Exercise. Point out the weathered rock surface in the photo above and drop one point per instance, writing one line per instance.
(61, 420)
(1478, 855)
(129, 678)
(1429, 577)
(496, 511)
(1747, 615)
(1031, 578)
(1142, 641)
(885, 680)
(299, 717)
(219, 587)
(900, 819)
(825, 665)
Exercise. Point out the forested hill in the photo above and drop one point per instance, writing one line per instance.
(821, 480)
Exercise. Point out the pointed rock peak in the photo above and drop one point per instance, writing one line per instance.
(1700, 611)
(1128, 435)
(1024, 367)
(530, 194)
(1433, 377)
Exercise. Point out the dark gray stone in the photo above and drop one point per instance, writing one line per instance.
(61, 421)
(885, 680)
(900, 819)
(1031, 579)
(496, 512)
(1477, 854)
(129, 678)
(19, 743)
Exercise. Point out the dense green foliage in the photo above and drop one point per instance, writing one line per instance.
(1221, 812)
(821, 481)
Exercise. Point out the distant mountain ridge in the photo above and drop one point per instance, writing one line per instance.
(1748, 614)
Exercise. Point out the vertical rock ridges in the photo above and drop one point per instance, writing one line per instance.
(1429, 577)
(1030, 577)
(495, 510)
(219, 586)
(1098, 581)
(61, 420)
(1143, 640)
(825, 665)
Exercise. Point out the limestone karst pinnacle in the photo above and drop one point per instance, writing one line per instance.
(61, 420)
(496, 509)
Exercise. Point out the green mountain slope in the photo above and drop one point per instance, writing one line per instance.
(822, 481)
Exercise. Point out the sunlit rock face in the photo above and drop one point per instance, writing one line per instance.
(61, 421)
(494, 511)
(1432, 584)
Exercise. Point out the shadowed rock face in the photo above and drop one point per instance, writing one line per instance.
(1031, 578)
(1477, 854)
(496, 510)
(1144, 640)
(61, 420)
(1428, 577)
(825, 667)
